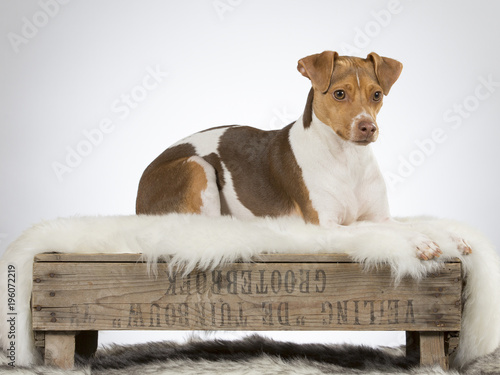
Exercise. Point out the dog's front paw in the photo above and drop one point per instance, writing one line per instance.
(462, 246)
(428, 250)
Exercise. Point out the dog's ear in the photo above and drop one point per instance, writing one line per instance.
(319, 69)
(386, 69)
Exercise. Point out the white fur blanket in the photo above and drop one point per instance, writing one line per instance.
(197, 241)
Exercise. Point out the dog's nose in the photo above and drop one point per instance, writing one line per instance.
(367, 128)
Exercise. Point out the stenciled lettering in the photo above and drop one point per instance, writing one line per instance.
(367, 312)
(235, 282)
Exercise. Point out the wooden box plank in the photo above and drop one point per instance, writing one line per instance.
(134, 258)
(75, 292)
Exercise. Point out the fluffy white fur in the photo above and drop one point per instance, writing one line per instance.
(197, 241)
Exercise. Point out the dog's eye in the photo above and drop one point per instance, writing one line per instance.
(339, 94)
(377, 96)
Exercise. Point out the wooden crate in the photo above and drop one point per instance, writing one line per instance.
(76, 295)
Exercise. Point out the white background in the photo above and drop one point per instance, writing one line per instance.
(67, 67)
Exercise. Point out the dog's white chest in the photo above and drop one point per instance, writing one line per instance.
(343, 180)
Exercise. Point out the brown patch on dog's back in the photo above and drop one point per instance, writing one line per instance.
(266, 177)
(243, 151)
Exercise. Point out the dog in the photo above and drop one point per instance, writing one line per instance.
(319, 167)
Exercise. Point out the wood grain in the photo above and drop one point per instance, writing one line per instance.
(60, 349)
(432, 349)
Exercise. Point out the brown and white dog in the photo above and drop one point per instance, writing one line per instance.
(318, 167)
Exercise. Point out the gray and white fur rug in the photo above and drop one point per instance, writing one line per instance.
(254, 355)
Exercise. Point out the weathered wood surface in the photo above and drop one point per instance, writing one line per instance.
(60, 349)
(74, 292)
(432, 349)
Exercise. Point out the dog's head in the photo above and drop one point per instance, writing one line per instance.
(347, 92)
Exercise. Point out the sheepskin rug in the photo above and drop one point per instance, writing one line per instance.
(255, 355)
(196, 241)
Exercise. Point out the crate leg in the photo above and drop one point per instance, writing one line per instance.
(60, 349)
(86, 344)
(428, 347)
(432, 349)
